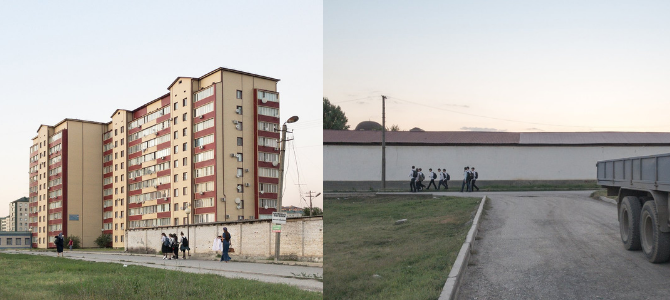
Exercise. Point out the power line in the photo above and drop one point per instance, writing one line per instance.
(345, 101)
(509, 120)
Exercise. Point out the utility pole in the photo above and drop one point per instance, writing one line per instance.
(309, 194)
(383, 143)
(281, 179)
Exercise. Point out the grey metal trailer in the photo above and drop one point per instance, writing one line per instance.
(642, 185)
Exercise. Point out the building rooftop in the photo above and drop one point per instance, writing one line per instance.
(437, 138)
(22, 199)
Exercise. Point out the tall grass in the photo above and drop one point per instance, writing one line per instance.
(39, 277)
(368, 257)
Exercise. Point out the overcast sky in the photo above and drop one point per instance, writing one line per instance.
(500, 65)
(83, 59)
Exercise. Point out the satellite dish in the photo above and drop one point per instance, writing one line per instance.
(237, 200)
(266, 207)
(239, 206)
(275, 163)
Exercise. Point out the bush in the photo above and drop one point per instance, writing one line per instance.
(76, 242)
(103, 240)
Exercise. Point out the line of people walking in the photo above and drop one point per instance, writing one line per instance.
(417, 177)
(171, 245)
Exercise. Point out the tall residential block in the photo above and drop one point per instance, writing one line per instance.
(208, 147)
(3, 223)
(18, 215)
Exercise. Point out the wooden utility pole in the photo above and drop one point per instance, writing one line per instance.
(309, 194)
(383, 143)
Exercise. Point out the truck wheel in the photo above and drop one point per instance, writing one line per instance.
(629, 223)
(655, 244)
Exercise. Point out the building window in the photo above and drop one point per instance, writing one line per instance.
(121, 166)
(183, 118)
(176, 163)
(116, 238)
(116, 191)
(121, 132)
(185, 220)
(238, 110)
(121, 153)
(185, 176)
(176, 192)
(239, 141)
(176, 221)
(121, 177)
(116, 179)
(175, 120)
(176, 207)
(121, 236)
(121, 190)
(116, 226)
(116, 144)
(185, 146)
(176, 178)
(240, 188)
(116, 167)
(185, 191)
(240, 172)
(239, 94)
(176, 149)
(184, 132)
(175, 106)
(184, 102)
(121, 140)
(175, 135)
(116, 132)
(239, 156)
(116, 155)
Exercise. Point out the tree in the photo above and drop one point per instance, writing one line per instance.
(76, 242)
(395, 127)
(103, 240)
(333, 116)
(316, 211)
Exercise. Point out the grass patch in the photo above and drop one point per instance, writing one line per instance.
(371, 258)
(39, 277)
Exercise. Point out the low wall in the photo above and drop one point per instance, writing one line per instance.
(301, 239)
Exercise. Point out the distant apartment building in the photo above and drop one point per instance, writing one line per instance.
(18, 215)
(209, 147)
(3, 223)
(293, 211)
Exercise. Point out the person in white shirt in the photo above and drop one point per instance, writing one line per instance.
(412, 181)
(442, 178)
(475, 175)
(432, 176)
(466, 171)
(419, 180)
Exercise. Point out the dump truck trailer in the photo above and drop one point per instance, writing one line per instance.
(642, 185)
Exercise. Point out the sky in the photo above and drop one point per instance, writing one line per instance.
(516, 66)
(77, 59)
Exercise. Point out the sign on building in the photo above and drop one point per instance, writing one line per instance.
(74, 217)
(276, 227)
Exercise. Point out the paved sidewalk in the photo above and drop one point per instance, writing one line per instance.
(272, 273)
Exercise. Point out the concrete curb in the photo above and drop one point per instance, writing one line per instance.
(450, 290)
(610, 200)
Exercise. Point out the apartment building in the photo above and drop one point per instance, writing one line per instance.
(207, 151)
(66, 182)
(18, 215)
(3, 223)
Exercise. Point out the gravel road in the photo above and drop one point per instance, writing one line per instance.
(557, 245)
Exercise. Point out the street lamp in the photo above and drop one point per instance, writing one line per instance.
(188, 219)
(281, 178)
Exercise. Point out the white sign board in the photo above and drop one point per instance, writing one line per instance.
(279, 217)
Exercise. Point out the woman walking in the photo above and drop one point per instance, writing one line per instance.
(226, 245)
(175, 246)
(184, 246)
(165, 245)
(59, 244)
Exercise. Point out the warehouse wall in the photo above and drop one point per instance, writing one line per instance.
(504, 163)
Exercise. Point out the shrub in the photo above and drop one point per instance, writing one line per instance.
(103, 240)
(76, 242)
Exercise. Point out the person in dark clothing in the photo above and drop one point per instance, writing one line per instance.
(226, 245)
(184, 246)
(165, 245)
(465, 179)
(58, 241)
(419, 180)
(175, 246)
(412, 180)
(475, 175)
(432, 176)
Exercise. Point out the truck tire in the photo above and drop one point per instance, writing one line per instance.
(629, 223)
(655, 244)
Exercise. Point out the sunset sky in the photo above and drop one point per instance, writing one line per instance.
(500, 65)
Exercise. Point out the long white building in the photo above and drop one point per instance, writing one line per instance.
(352, 159)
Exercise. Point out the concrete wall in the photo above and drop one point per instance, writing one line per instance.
(363, 163)
(301, 239)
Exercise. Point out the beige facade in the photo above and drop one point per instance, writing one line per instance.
(18, 215)
(204, 152)
(3, 223)
(65, 183)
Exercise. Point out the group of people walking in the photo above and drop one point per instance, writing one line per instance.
(417, 177)
(171, 246)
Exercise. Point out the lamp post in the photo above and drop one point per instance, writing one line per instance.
(280, 193)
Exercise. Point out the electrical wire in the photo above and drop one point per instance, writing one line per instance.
(508, 120)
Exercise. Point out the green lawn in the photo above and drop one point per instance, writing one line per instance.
(412, 260)
(39, 277)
